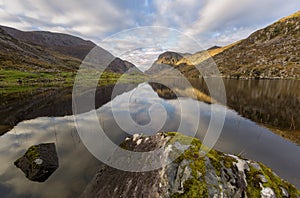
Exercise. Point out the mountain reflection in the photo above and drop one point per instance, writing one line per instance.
(145, 107)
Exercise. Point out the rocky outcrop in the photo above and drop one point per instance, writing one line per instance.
(173, 60)
(39, 162)
(191, 175)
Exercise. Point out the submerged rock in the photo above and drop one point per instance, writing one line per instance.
(39, 162)
(190, 175)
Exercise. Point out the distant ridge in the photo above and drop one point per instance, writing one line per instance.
(62, 43)
(41, 51)
(214, 47)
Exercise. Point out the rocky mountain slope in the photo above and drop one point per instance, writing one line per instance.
(272, 52)
(39, 51)
(173, 60)
(61, 43)
(267, 53)
(191, 175)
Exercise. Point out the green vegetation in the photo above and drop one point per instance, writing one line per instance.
(192, 189)
(32, 153)
(253, 187)
(273, 182)
(196, 185)
(15, 81)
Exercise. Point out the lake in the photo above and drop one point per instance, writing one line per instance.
(272, 102)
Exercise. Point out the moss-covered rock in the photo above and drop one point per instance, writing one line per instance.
(39, 162)
(192, 174)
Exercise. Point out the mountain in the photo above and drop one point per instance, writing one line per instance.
(39, 51)
(214, 47)
(272, 52)
(269, 52)
(168, 61)
(121, 66)
(61, 43)
(215, 174)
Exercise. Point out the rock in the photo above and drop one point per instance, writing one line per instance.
(255, 165)
(39, 162)
(284, 192)
(190, 175)
(262, 178)
(267, 193)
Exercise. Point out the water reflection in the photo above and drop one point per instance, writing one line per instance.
(239, 135)
(68, 180)
(15, 108)
(77, 165)
(271, 102)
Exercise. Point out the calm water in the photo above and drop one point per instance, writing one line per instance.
(77, 165)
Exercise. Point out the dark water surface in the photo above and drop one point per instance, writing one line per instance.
(77, 165)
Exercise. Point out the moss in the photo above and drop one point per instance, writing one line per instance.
(195, 186)
(182, 139)
(215, 159)
(192, 188)
(275, 183)
(228, 161)
(253, 187)
(32, 153)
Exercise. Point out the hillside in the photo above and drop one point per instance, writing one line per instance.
(38, 51)
(62, 43)
(272, 52)
(18, 55)
(267, 53)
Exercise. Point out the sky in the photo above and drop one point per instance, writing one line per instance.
(124, 25)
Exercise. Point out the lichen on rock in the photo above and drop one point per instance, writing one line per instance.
(191, 175)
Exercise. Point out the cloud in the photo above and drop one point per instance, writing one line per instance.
(143, 45)
(89, 19)
(207, 18)
(176, 13)
(227, 16)
(210, 22)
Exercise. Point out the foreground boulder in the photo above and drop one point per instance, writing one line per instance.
(191, 175)
(39, 162)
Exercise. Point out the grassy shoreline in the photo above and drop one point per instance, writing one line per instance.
(291, 135)
(15, 81)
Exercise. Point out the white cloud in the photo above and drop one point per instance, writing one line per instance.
(210, 22)
(227, 16)
(90, 19)
(142, 46)
(176, 13)
(142, 58)
(205, 18)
